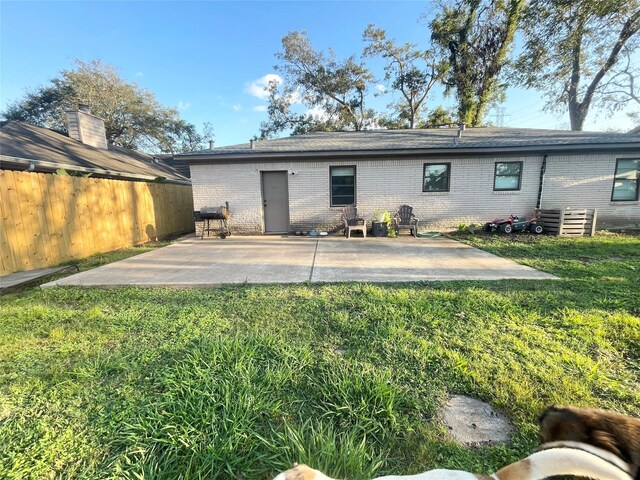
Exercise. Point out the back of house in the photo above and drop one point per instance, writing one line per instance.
(449, 176)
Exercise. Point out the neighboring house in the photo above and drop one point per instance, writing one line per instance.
(449, 176)
(179, 166)
(84, 151)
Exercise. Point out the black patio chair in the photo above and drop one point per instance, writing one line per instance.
(405, 219)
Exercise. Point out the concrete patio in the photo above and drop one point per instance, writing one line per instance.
(192, 262)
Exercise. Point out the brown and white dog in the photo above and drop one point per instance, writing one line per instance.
(613, 432)
(581, 461)
(582, 442)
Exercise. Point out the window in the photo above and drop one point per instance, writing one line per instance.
(508, 176)
(343, 186)
(625, 181)
(436, 177)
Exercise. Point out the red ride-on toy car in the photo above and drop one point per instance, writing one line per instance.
(514, 224)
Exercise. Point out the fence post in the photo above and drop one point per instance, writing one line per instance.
(593, 222)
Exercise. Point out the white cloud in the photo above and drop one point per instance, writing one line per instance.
(260, 108)
(318, 113)
(183, 105)
(381, 88)
(258, 88)
(236, 108)
(139, 74)
(295, 97)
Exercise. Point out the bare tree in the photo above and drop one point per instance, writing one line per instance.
(410, 71)
(621, 90)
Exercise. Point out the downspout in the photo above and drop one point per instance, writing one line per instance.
(543, 169)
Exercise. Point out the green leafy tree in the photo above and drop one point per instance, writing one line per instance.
(133, 117)
(282, 115)
(438, 117)
(410, 71)
(474, 37)
(336, 89)
(572, 49)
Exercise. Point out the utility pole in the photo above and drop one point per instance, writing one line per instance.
(500, 116)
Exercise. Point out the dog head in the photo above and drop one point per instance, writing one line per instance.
(609, 431)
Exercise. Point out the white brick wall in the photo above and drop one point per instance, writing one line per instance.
(586, 181)
(386, 184)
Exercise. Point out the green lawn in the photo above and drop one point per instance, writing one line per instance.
(243, 381)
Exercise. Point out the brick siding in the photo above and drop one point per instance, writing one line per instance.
(576, 181)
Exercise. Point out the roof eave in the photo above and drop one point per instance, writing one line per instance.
(53, 166)
(244, 156)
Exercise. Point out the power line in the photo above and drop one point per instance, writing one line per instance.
(500, 116)
(531, 116)
(526, 107)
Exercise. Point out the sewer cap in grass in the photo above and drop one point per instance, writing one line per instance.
(472, 422)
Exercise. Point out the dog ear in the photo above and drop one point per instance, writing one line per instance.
(558, 423)
(547, 411)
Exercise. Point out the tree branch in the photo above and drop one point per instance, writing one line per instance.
(630, 28)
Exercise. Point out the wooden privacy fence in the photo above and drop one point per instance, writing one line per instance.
(569, 221)
(50, 219)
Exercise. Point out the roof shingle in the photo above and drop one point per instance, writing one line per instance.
(28, 142)
(421, 139)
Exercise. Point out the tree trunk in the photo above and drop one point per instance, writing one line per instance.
(578, 110)
(577, 114)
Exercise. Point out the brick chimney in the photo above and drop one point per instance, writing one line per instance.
(86, 128)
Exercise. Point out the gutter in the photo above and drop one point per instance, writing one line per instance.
(248, 156)
(543, 169)
(31, 164)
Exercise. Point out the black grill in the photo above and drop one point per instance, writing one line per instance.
(214, 219)
(214, 213)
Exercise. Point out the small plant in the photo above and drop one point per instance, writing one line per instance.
(383, 216)
(63, 173)
(470, 228)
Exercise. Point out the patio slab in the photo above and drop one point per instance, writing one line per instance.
(193, 262)
(20, 279)
(407, 259)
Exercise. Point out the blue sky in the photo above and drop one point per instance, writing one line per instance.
(203, 57)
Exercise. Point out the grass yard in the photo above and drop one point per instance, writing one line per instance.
(243, 381)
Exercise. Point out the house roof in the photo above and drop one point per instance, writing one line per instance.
(22, 144)
(421, 141)
(179, 165)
